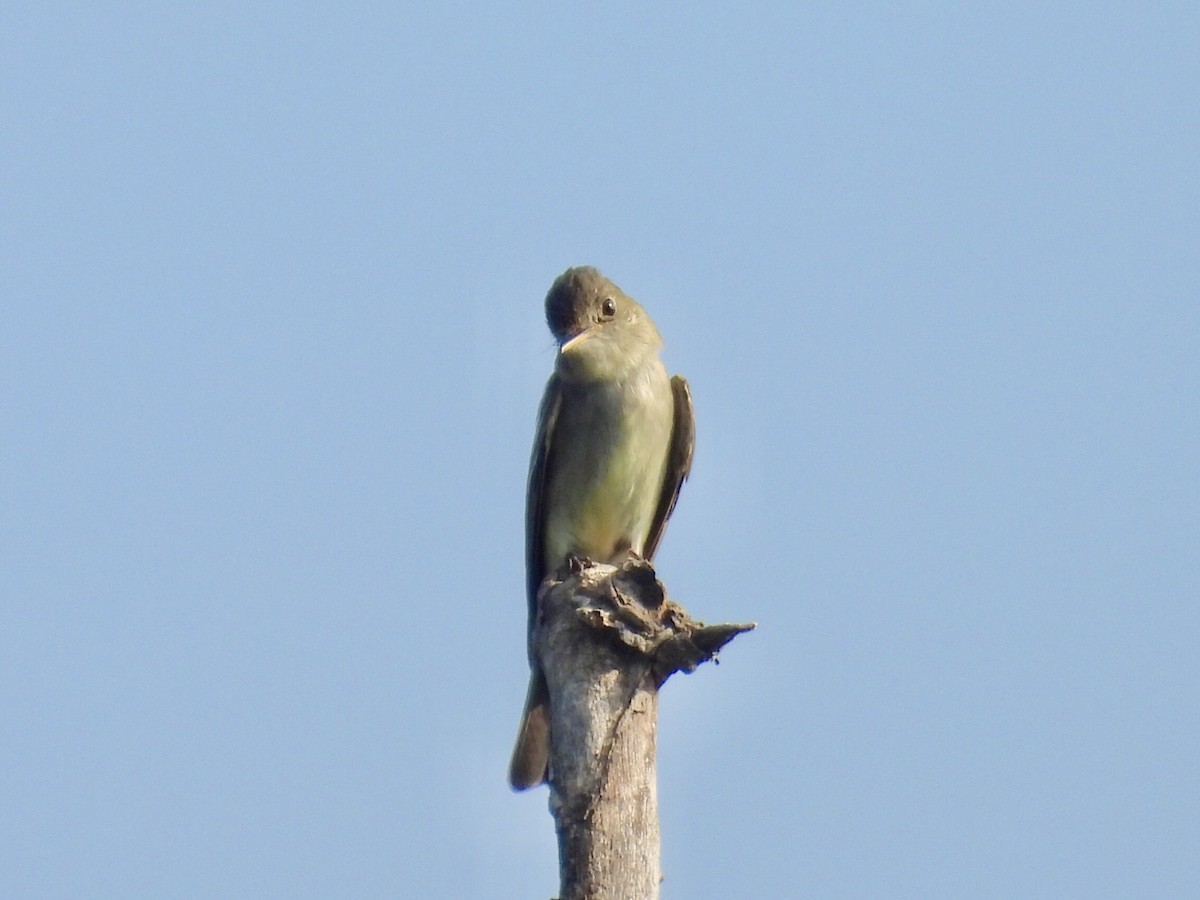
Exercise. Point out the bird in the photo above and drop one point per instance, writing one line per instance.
(614, 443)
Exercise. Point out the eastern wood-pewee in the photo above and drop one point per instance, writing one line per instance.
(614, 443)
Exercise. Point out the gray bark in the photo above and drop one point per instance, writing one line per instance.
(607, 639)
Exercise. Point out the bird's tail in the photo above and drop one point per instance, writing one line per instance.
(531, 756)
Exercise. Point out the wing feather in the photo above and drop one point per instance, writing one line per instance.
(679, 461)
(535, 494)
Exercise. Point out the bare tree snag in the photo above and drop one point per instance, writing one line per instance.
(607, 639)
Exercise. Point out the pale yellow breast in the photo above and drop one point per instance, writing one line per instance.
(610, 453)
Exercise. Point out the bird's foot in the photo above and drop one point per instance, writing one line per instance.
(576, 563)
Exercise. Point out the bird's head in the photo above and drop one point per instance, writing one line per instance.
(602, 333)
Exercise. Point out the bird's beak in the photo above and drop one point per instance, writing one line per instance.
(574, 340)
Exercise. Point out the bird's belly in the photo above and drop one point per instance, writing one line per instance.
(604, 493)
(610, 514)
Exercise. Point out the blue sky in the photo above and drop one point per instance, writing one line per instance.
(271, 352)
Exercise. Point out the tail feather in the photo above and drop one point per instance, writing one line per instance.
(530, 763)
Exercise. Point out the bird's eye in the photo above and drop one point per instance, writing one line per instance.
(608, 308)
